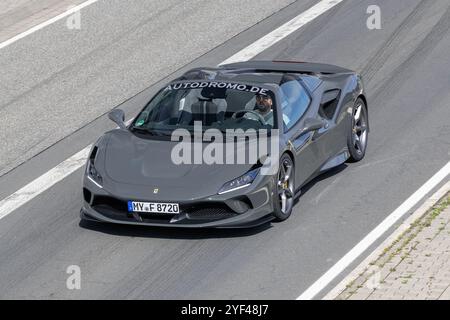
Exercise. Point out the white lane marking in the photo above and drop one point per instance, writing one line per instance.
(44, 182)
(376, 233)
(46, 23)
(36, 187)
(282, 32)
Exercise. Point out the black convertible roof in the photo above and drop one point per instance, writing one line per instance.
(261, 71)
(287, 66)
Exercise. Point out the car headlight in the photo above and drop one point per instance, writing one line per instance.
(92, 172)
(239, 183)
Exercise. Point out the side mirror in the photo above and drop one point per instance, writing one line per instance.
(311, 124)
(118, 116)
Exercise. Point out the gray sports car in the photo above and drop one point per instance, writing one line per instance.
(230, 146)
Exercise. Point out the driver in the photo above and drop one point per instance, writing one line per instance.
(263, 104)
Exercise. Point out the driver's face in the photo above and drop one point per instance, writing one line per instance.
(264, 102)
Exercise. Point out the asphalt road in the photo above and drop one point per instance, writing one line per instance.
(56, 87)
(64, 78)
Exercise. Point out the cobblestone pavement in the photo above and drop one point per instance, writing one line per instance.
(415, 266)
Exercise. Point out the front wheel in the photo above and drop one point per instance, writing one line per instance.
(284, 197)
(357, 136)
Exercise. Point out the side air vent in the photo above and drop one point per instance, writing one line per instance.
(87, 195)
(329, 103)
(93, 153)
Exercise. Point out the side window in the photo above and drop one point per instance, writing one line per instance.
(295, 102)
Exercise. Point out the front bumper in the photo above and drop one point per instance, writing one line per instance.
(243, 208)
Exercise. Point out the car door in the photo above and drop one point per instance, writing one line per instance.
(310, 148)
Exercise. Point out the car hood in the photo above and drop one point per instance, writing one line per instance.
(132, 160)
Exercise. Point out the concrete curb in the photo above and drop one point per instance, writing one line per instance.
(427, 204)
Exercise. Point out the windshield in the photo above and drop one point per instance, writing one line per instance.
(214, 104)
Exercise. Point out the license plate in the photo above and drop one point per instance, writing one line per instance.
(153, 207)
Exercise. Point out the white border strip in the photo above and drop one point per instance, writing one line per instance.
(419, 213)
(376, 233)
(44, 182)
(46, 23)
(65, 168)
(282, 32)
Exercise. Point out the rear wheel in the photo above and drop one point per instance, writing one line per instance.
(284, 198)
(357, 136)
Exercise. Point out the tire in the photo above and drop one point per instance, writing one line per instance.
(284, 188)
(358, 132)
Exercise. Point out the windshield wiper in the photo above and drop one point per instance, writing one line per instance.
(143, 130)
(147, 131)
